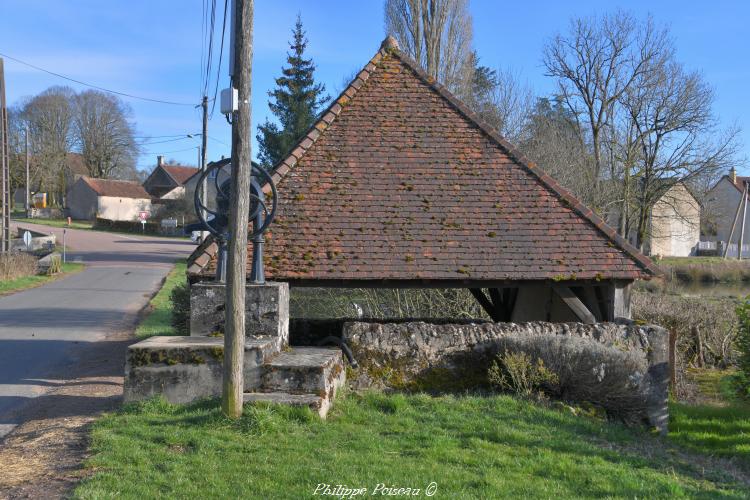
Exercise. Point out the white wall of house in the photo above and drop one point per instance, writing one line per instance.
(675, 223)
(83, 201)
(114, 208)
(721, 207)
(175, 194)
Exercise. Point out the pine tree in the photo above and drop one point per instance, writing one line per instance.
(295, 102)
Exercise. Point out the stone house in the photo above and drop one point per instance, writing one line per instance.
(674, 223)
(722, 203)
(400, 185)
(167, 182)
(110, 199)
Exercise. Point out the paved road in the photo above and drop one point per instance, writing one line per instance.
(45, 330)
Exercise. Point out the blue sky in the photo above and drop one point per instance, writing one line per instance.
(153, 49)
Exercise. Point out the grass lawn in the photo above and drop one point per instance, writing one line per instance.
(159, 312)
(471, 446)
(18, 284)
(76, 224)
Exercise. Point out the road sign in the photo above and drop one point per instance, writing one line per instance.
(27, 239)
(143, 216)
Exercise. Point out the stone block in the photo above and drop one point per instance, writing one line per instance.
(184, 369)
(266, 307)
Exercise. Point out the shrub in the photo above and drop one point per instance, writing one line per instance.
(17, 265)
(127, 226)
(742, 379)
(578, 370)
(705, 328)
(519, 374)
(180, 298)
(55, 265)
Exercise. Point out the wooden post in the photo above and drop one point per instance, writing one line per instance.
(28, 180)
(734, 223)
(742, 229)
(203, 153)
(673, 360)
(5, 209)
(621, 300)
(234, 336)
(574, 304)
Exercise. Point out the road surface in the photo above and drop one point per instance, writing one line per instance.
(47, 330)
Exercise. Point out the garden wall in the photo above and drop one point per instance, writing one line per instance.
(623, 368)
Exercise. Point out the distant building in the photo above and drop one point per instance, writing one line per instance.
(673, 226)
(167, 182)
(722, 203)
(107, 199)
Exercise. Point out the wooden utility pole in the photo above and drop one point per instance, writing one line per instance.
(742, 229)
(204, 144)
(234, 335)
(736, 217)
(6, 200)
(28, 180)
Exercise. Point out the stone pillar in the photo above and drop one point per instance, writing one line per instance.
(266, 307)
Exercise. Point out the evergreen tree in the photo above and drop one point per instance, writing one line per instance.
(295, 102)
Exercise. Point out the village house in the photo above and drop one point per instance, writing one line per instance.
(674, 223)
(110, 199)
(168, 182)
(721, 209)
(400, 185)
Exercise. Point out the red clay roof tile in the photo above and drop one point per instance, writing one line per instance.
(406, 184)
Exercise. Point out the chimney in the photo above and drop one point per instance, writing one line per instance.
(159, 161)
(733, 175)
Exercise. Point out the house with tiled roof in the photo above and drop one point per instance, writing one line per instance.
(168, 182)
(110, 199)
(722, 206)
(399, 184)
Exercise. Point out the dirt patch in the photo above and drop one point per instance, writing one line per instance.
(42, 457)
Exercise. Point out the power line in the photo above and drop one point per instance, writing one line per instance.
(210, 53)
(149, 137)
(167, 152)
(221, 54)
(186, 136)
(124, 94)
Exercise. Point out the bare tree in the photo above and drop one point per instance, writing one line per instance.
(49, 117)
(105, 134)
(670, 111)
(438, 35)
(595, 64)
(502, 100)
(552, 139)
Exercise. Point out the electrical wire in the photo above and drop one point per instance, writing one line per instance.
(221, 54)
(124, 94)
(167, 152)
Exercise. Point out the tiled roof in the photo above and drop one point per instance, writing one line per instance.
(116, 188)
(399, 181)
(180, 173)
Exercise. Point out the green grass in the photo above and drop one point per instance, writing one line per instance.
(157, 320)
(76, 224)
(23, 283)
(471, 446)
(722, 431)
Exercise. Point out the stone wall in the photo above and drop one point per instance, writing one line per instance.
(266, 309)
(603, 358)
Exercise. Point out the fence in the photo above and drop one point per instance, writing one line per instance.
(718, 247)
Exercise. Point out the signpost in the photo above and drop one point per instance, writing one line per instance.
(143, 216)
